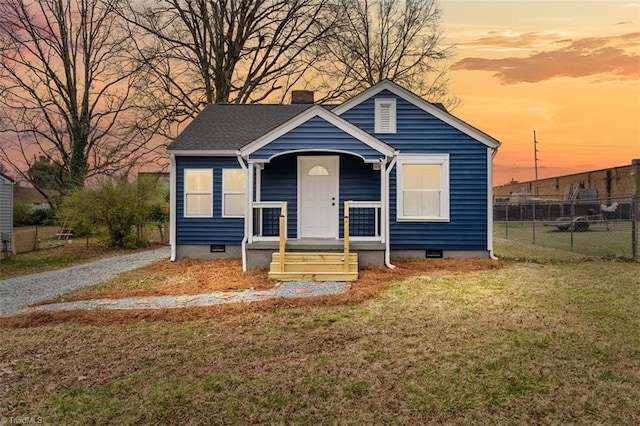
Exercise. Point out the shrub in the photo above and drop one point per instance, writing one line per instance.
(119, 205)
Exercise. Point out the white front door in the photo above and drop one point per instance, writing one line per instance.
(318, 196)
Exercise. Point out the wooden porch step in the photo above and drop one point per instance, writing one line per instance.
(314, 267)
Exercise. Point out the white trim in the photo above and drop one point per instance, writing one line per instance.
(261, 161)
(387, 246)
(203, 153)
(308, 114)
(420, 103)
(245, 238)
(223, 193)
(249, 190)
(365, 239)
(490, 153)
(184, 192)
(336, 159)
(379, 104)
(384, 204)
(420, 159)
(258, 195)
(172, 206)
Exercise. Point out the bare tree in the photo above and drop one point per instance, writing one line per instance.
(66, 89)
(223, 51)
(387, 39)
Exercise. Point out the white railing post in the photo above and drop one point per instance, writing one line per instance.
(283, 233)
(346, 236)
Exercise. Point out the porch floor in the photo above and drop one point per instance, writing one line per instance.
(318, 245)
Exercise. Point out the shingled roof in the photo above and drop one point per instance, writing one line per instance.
(229, 127)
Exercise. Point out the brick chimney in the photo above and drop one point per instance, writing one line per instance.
(302, 96)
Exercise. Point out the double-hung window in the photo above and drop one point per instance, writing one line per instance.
(423, 188)
(198, 193)
(234, 182)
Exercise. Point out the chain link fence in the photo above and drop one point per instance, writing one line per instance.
(594, 227)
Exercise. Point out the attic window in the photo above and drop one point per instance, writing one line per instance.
(385, 120)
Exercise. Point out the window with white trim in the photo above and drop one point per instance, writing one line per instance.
(234, 182)
(423, 188)
(198, 193)
(385, 115)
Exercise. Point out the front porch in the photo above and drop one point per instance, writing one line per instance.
(318, 259)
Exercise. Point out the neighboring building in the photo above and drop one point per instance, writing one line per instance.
(417, 178)
(604, 184)
(32, 197)
(6, 213)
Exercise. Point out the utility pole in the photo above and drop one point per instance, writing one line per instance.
(535, 154)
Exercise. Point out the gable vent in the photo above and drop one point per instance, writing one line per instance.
(385, 119)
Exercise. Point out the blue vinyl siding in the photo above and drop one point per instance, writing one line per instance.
(215, 230)
(280, 183)
(418, 132)
(421, 133)
(316, 134)
(358, 182)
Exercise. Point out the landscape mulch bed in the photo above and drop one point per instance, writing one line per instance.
(189, 276)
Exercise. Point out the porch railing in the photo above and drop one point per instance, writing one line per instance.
(266, 220)
(364, 221)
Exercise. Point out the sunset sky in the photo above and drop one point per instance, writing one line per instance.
(570, 70)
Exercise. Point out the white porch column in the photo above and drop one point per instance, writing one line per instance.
(384, 205)
(249, 210)
(173, 212)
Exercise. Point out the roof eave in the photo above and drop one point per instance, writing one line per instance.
(203, 152)
(318, 111)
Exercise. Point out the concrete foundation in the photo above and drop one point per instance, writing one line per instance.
(204, 252)
(259, 254)
(446, 254)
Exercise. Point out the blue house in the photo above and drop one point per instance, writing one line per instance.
(315, 191)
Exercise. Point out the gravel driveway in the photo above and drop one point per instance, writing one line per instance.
(290, 289)
(16, 293)
(21, 291)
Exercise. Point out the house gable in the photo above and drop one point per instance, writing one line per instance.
(388, 89)
(6, 179)
(420, 132)
(317, 130)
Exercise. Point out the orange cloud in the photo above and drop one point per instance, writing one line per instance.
(578, 58)
(499, 39)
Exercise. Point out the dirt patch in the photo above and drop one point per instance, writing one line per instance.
(189, 276)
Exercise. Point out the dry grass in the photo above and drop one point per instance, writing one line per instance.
(57, 257)
(529, 342)
(189, 276)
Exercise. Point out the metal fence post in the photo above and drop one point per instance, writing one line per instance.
(573, 210)
(634, 227)
(506, 222)
(534, 223)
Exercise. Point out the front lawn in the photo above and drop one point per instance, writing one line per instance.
(547, 339)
